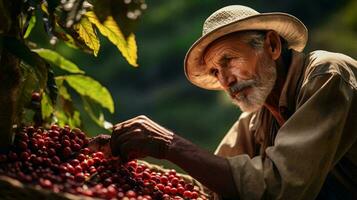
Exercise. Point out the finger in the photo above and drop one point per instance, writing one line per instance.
(155, 126)
(117, 140)
(149, 126)
(118, 125)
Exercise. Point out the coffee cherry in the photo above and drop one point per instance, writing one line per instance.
(58, 159)
(79, 177)
(187, 194)
(67, 151)
(35, 96)
(25, 156)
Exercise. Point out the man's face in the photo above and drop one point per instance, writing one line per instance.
(247, 74)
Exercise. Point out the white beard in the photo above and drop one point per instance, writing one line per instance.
(259, 92)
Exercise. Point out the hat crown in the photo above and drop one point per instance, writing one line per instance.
(225, 16)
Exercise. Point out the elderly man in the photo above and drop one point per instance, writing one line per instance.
(296, 137)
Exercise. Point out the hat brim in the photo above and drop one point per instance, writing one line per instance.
(287, 26)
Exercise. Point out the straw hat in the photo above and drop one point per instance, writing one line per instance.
(238, 18)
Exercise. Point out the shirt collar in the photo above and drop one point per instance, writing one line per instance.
(288, 94)
(292, 84)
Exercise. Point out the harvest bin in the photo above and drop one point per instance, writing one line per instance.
(56, 163)
(13, 189)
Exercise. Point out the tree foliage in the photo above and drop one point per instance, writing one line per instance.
(78, 24)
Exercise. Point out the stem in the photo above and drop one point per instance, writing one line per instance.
(9, 77)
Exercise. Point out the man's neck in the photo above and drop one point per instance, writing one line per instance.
(272, 102)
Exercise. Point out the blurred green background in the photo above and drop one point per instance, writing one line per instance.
(159, 89)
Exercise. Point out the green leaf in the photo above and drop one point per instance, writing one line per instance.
(85, 30)
(62, 90)
(52, 88)
(46, 107)
(111, 30)
(86, 86)
(28, 83)
(32, 23)
(58, 60)
(64, 118)
(75, 120)
(95, 113)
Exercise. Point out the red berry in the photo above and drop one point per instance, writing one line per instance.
(79, 177)
(164, 180)
(51, 152)
(84, 165)
(45, 183)
(194, 195)
(189, 186)
(160, 186)
(70, 168)
(78, 169)
(22, 145)
(81, 157)
(76, 147)
(187, 194)
(174, 181)
(90, 161)
(130, 193)
(66, 143)
(25, 156)
(173, 191)
(67, 151)
(85, 151)
(99, 155)
(167, 190)
(74, 162)
(180, 190)
(35, 96)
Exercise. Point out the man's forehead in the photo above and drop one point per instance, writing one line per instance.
(223, 46)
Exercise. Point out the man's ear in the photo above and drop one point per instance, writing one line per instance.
(273, 44)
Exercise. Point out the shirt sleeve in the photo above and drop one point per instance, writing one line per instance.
(306, 146)
(238, 140)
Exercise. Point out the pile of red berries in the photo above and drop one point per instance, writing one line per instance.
(59, 159)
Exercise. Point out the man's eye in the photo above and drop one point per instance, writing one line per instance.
(213, 72)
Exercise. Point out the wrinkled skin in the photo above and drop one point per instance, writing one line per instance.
(140, 137)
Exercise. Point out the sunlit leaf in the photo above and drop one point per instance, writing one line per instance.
(32, 23)
(125, 13)
(65, 118)
(85, 30)
(46, 106)
(58, 60)
(75, 120)
(111, 30)
(89, 87)
(61, 118)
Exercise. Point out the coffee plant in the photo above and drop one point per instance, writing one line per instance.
(26, 67)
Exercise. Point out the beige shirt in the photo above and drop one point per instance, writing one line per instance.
(318, 139)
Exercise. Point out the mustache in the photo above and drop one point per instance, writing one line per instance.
(239, 86)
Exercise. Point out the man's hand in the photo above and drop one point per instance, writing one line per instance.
(100, 143)
(140, 137)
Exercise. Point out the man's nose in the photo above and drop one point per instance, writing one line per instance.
(227, 80)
